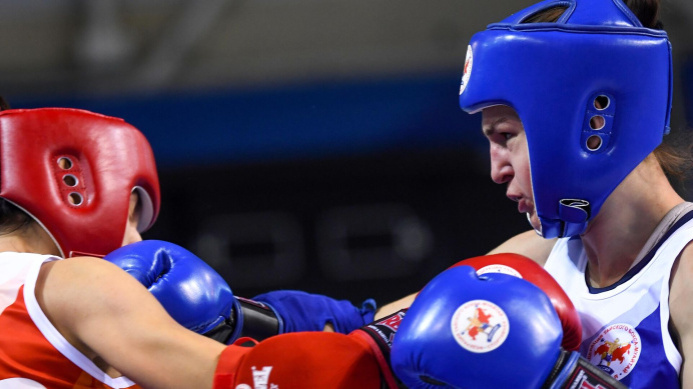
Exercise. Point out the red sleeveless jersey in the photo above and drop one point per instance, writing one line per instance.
(33, 354)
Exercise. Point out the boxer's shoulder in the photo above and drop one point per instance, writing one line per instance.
(90, 281)
(681, 290)
(68, 269)
(681, 311)
(529, 244)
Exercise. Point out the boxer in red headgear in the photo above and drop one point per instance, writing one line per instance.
(75, 185)
(78, 169)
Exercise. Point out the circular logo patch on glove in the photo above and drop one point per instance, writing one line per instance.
(616, 350)
(479, 326)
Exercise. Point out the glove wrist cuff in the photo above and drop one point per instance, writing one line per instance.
(577, 372)
(379, 335)
(259, 320)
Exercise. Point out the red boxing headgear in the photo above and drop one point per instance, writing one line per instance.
(73, 171)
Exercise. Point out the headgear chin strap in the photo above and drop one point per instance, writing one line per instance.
(73, 171)
(593, 91)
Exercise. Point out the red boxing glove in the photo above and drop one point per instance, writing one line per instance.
(300, 360)
(229, 360)
(529, 270)
(379, 336)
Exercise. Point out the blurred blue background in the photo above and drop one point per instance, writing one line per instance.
(301, 144)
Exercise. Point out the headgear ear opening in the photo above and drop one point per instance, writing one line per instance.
(593, 91)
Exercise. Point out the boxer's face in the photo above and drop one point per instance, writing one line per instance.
(510, 157)
(131, 233)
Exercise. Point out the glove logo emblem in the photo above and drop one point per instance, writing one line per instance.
(479, 326)
(616, 350)
(260, 379)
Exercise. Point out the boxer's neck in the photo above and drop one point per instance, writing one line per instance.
(28, 239)
(616, 236)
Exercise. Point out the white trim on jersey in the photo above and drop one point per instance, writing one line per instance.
(52, 334)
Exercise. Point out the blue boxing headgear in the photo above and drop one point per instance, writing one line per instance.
(595, 74)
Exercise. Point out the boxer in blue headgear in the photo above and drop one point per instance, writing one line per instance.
(575, 98)
(589, 121)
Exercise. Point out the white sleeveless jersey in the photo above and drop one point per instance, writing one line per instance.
(625, 326)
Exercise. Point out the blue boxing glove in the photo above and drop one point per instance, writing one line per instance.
(300, 311)
(200, 299)
(490, 331)
(195, 295)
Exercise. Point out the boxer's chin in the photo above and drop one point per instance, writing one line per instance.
(533, 220)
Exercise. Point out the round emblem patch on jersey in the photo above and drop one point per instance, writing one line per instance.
(479, 326)
(616, 350)
(498, 268)
(468, 62)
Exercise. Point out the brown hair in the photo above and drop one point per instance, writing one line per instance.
(674, 154)
(647, 11)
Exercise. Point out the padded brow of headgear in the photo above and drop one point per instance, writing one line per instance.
(550, 73)
(109, 158)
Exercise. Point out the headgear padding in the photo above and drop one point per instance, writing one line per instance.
(73, 171)
(552, 74)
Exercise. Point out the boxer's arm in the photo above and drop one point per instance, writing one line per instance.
(300, 311)
(200, 299)
(681, 311)
(395, 306)
(528, 244)
(106, 313)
